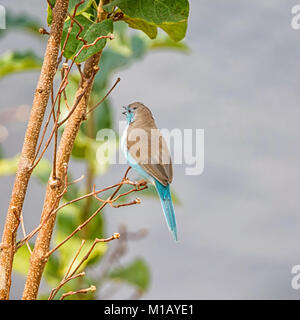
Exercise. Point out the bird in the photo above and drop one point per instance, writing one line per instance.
(147, 153)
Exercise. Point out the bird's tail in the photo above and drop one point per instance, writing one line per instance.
(167, 205)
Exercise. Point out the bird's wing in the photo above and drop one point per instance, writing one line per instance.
(151, 152)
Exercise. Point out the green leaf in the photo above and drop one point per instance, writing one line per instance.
(72, 3)
(8, 166)
(176, 30)
(119, 54)
(21, 260)
(53, 273)
(155, 11)
(73, 190)
(49, 13)
(121, 32)
(95, 30)
(169, 15)
(91, 31)
(68, 218)
(81, 146)
(42, 170)
(73, 43)
(103, 116)
(136, 273)
(71, 89)
(86, 149)
(110, 61)
(81, 8)
(138, 47)
(14, 61)
(96, 229)
(167, 43)
(148, 28)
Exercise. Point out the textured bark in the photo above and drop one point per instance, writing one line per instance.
(39, 105)
(39, 256)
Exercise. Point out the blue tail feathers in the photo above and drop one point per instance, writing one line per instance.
(167, 205)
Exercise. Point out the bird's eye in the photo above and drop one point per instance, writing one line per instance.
(134, 108)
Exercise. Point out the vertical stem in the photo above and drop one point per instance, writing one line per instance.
(40, 101)
(39, 255)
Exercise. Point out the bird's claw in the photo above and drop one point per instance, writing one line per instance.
(141, 183)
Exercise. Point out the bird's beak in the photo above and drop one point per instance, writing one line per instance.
(125, 107)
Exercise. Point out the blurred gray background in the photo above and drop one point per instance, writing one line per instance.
(239, 222)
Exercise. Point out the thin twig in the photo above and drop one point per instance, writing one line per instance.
(24, 232)
(70, 276)
(67, 278)
(39, 255)
(78, 100)
(55, 140)
(113, 237)
(71, 293)
(55, 290)
(23, 174)
(56, 125)
(61, 89)
(97, 104)
(119, 250)
(94, 192)
(90, 218)
(72, 17)
(74, 259)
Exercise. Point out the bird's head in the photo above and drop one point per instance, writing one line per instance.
(136, 111)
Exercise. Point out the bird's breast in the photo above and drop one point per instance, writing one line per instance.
(124, 142)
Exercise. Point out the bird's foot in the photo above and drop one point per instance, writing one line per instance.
(141, 184)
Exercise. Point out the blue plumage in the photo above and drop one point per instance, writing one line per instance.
(167, 205)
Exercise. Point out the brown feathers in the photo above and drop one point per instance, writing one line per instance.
(147, 146)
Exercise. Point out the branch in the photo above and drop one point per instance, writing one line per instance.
(72, 276)
(78, 99)
(108, 93)
(118, 252)
(71, 293)
(54, 211)
(81, 226)
(23, 174)
(39, 255)
(24, 233)
(67, 278)
(72, 17)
